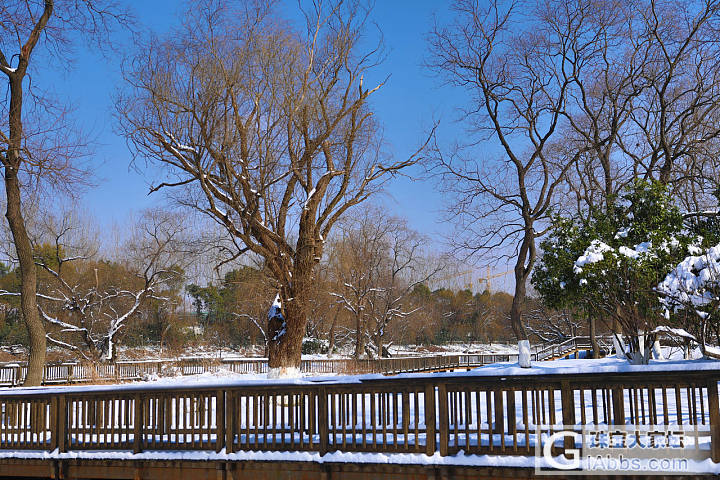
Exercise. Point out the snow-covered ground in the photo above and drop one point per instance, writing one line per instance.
(460, 459)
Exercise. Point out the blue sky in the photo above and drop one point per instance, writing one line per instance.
(406, 105)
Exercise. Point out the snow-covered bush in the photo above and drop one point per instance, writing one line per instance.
(609, 264)
(691, 296)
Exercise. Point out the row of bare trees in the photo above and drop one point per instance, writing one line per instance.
(377, 285)
(570, 102)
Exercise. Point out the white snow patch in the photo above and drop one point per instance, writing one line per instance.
(593, 254)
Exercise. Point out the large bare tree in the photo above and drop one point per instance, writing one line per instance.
(519, 62)
(266, 128)
(42, 31)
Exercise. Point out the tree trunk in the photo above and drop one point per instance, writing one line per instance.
(285, 337)
(520, 293)
(593, 337)
(28, 275)
(331, 334)
(359, 337)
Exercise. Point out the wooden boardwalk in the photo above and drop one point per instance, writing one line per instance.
(436, 415)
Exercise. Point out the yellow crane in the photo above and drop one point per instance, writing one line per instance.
(487, 279)
(467, 274)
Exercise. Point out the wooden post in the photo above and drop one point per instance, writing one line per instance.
(430, 418)
(511, 414)
(323, 428)
(54, 416)
(220, 420)
(499, 412)
(443, 420)
(714, 410)
(230, 418)
(60, 426)
(618, 406)
(137, 425)
(567, 400)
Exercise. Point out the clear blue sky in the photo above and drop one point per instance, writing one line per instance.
(409, 102)
(406, 105)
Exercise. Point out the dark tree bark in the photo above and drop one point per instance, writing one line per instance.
(12, 161)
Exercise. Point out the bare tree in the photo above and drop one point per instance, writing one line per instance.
(649, 101)
(27, 26)
(86, 301)
(266, 129)
(406, 266)
(519, 62)
(359, 253)
(378, 262)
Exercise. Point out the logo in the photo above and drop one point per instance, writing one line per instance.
(618, 450)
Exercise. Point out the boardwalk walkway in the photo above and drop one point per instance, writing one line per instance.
(425, 416)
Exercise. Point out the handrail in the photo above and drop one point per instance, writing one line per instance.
(444, 414)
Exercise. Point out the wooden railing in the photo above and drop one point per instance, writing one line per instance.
(68, 373)
(73, 372)
(429, 414)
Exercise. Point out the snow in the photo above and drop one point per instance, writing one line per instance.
(622, 233)
(524, 353)
(691, 282)
(635, 252)
(276, 312)
(593, 254)
(223, 379)
(711, 350)
(677, 332)
(460, 459)
(333, 457)
(309, 198)
(284, 372)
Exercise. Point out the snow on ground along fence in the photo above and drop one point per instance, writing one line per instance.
(12, 374)
(487, 411)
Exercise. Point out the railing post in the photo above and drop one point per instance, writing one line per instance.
(499, 412)
(323, 428)
(220, 420)
(618, 406)
(137, 426)
(567, 400)
(510, 409)
(443, 420)
(230, 416)
(714, 408)
(59, 435)
(430, 418)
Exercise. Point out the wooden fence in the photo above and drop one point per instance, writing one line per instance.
(429, 414)
(13, 374)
